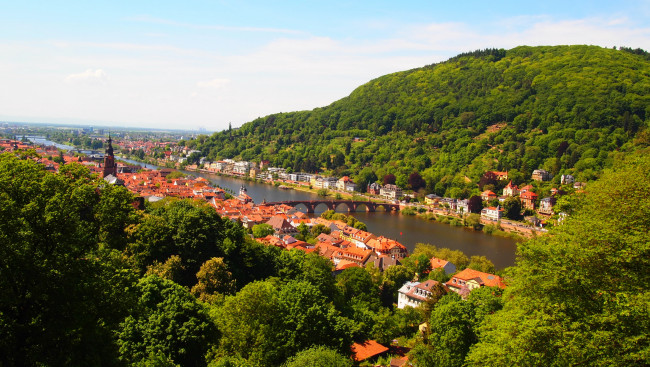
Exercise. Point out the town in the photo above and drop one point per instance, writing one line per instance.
(281, 225)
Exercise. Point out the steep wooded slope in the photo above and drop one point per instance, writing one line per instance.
(563, 108)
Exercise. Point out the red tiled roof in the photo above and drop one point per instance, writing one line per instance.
(489, 280)
(438, 263)
(367, 349)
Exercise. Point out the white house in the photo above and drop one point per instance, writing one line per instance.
(415, 293)
(462, 206)
(345, 183)
(567, 179)
(492, 213)
(390, 192)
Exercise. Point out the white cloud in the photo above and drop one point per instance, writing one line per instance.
(217, 83)
(90, 76)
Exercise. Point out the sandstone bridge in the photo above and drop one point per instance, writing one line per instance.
(352, 206)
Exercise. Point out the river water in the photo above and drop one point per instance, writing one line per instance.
(408, 230)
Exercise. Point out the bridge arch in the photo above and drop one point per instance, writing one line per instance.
(345, 206)
(319, 206)
(300, 206)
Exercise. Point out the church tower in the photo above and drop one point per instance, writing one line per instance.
(110, 168)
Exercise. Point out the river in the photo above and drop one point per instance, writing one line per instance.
(408, 230)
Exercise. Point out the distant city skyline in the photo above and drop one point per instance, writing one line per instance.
(205, 64)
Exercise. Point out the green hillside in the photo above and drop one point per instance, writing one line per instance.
(566, 109)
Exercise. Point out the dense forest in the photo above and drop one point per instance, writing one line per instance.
(566, 109)
(88, 280)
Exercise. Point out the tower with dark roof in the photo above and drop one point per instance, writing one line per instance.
(110, 168)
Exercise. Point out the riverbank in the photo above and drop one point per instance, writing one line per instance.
(506, 229)
(478, 225)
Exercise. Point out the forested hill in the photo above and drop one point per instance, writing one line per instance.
(562, 108)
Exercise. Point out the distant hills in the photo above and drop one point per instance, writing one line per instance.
(567, 109)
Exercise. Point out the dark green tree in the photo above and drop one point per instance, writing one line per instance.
(512, 208)
(61, 294)
(169, 322)
(319, 357)
(262, 230)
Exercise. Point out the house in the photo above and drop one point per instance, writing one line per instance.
(546, 205)
(510, 190)
(492, 213)
(383, 262)
(415, 293)
(526, 188)
(541, 175)
(488, 195)
(528, 200)
(318, 182)
(462, 206)
(500, 175)
(373, 189)
(281, 226)
(385, 246)
(445, 265)
(241, 168)
(354, 254)
(366, 350)
(346, 184)
(448, 203)
(469, 279)
(431, 198)
(533, 220)
(567, 179)
(390, 192)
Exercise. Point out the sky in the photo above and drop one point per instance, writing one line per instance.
(206, 64)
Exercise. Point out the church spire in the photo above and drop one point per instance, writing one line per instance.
(110, 168)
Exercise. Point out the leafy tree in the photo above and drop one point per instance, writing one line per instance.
(417, 264)
(173, 175)
(356, 285)
(189, 229)
(481, 263)
(389, 179)
(303, 231)
(488, 179)
(267, 322)
(262, 230)
(318, 229)
(473, 220)
(168, 322)
(579, 295)
(213, 278)
(393, 279)
(450, 334)
(437, 292)
(319, 357)
(512, 208)
(475, 204)
(360, 225)
(364, 178)
(416, 181)
(323, 192)
(172, 269)
(55, 280)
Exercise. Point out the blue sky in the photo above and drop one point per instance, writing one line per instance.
(204, 64)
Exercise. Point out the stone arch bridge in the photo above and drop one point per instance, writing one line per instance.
(333, 204)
